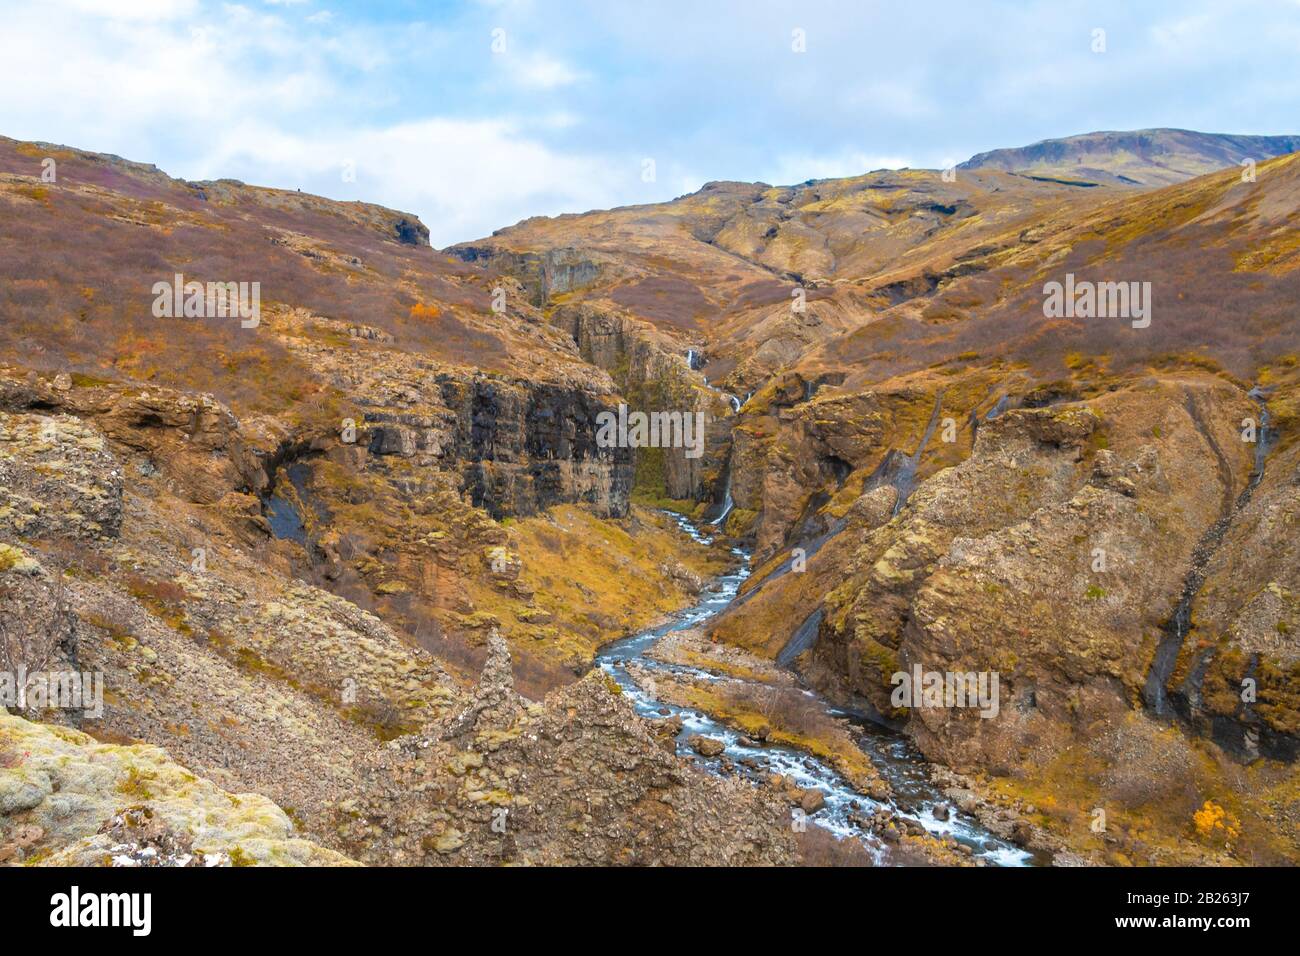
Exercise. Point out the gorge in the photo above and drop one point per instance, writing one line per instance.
(391, 578)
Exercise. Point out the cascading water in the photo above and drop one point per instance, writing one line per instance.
(913, 794)
(727, 503)
(1155, 694)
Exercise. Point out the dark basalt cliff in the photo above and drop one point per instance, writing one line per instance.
(519, 446)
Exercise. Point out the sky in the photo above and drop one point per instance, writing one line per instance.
(479, 113)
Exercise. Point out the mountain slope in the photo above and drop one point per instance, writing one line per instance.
(922, 460)
(1144, 157)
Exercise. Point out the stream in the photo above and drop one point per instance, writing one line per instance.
(1155, 693)
(914, 796)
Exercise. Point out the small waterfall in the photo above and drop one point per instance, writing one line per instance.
(727, 503)
(735, 403)
(1155, 694)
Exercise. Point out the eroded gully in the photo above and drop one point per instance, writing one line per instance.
(914, 796)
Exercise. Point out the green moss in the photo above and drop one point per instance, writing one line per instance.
(135, 784)
(613, 686)
(740, 522)
(238, 857)
(80, 380)
(650, 498)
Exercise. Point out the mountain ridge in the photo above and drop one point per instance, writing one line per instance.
(1142, 157)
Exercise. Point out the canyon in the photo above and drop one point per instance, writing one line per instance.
(367, 584)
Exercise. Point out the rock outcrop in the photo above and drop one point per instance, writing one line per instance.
(68, 800)
(1044, 558)
(578, 779)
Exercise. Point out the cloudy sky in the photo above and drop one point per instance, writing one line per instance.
(478, 113)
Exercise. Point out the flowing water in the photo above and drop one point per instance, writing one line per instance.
(727, 502)
(1155, 693)
(914, 796)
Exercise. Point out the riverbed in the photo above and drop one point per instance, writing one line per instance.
(914, 796)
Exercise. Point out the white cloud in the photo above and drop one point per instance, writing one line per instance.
(798, 168)
(131, 9)
(539, 71)
(242, 93)
(463, 177)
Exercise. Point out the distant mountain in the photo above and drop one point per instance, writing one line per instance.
(1144, 157)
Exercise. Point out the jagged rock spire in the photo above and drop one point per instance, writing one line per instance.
(495, 704)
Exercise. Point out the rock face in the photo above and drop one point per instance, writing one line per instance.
(410, 231)
(795, 448)
(1045, 559)
(1237, 675)
(200, 444)
(526, 449)
(543, 275)
(68, 800)
(577, 779)
(653, 374)
(519, 447)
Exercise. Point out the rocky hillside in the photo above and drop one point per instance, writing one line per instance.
(929, 466)
(359, 556)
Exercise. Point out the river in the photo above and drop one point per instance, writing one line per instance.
(914, 796)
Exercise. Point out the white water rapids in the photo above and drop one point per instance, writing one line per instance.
(915, 797)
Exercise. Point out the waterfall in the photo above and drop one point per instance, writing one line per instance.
(727, 503)
(1155, 694)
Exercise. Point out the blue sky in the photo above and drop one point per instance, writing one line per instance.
(578, 95)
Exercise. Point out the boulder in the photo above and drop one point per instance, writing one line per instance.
(706, 746)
